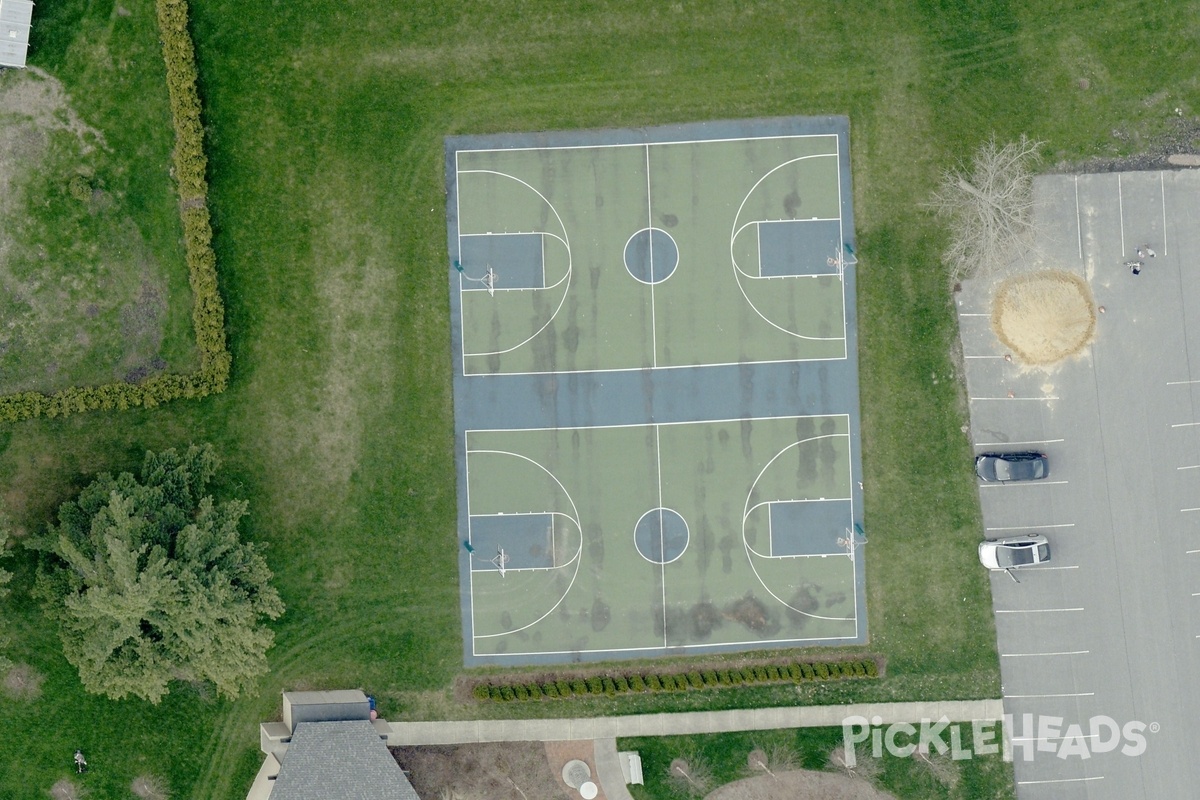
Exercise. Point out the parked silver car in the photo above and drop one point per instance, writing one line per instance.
(1015, 552)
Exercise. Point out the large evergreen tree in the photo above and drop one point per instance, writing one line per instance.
(149, 582)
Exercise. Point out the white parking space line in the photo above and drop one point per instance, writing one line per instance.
(1047, 397)
(1014, 444)
(1181, 383)
(1193, 466)
(973, 314)
(1031, 696)
(1191, 552)
(1055, 738)
(1033, 610)
(1188, 509)
(997, 484)
(983, 356)
(1184, 424)
(1031, 527)
(1032, 655)
(1061, 780)
(1047, 569)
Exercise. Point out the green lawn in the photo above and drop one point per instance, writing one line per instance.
(95, 286)
(725, 757)
(325, 124)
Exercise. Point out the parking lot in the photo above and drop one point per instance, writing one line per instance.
(1109, 628)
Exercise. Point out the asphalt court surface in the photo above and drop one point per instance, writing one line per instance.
(1110, 628)
(656, 397)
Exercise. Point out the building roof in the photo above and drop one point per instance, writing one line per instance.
(15, 19)
(331, 706)
(344, 760)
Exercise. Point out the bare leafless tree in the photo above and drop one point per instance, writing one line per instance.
(989, 207)
(859, 765)
(691, 773)
(940, 765)
(776, 758)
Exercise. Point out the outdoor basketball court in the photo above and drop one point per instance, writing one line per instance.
(656, 394)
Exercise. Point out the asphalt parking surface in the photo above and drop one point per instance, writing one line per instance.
(1110, 628)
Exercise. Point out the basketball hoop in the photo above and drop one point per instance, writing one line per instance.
(488, 280)
(500, 561)
(851, 540)
(839, 261)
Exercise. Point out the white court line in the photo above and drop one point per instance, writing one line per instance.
(1181, 383)
(1121, 208)
(1047, 397)
(650, 247)
(1032, 610)
(1162, 187)
(1078, 219)
(1031, 527)
(1031, 655)
(1065, 694)
(649, 424)
(617, 145)
(997, 484)
(662, 568)
(1014, 444)
(1061, 780)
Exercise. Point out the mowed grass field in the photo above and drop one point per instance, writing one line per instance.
(325, 124)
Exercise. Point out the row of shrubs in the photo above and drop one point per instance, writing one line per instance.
(612, 685)
(208, 312)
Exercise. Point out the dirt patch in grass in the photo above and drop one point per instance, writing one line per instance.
(65, 789)
(1044, 317)
(495, 770)
(800, 783)
(150, 787)
(23, 682)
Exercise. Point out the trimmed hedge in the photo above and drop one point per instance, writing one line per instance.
(611, 685)
(208, 311)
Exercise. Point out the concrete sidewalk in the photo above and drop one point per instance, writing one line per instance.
(606, 730)
(750, 719)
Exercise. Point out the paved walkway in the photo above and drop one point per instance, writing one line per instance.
(605, 730)
(749, 719)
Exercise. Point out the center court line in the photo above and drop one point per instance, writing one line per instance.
(1013, 444)
(1032, 655)
(1033, 696)
(1061, 780)
(1030, 527)
(1033, 610)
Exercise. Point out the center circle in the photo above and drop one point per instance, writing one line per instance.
(660, 536)
(651, 255)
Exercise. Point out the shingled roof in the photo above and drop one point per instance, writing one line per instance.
(345, 760)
